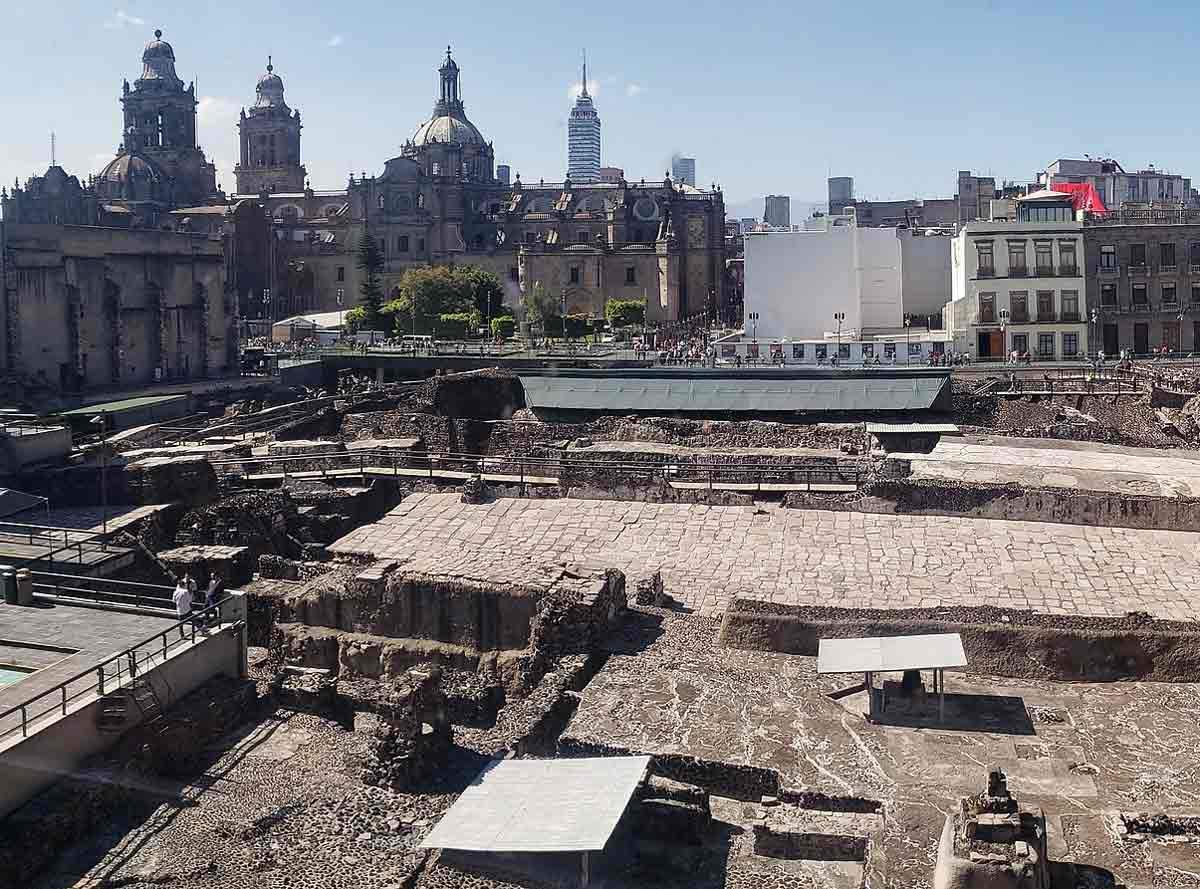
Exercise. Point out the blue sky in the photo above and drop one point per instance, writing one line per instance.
(769, 96)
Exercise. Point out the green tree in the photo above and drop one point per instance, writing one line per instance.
(431, 291)
(484, 287)
(369, 260)
(503, 326)
(625, 312)
(538, 304)
(355, 318)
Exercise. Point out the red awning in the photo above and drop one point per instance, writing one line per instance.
(1083, 194)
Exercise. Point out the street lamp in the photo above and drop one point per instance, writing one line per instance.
(839, 317)
(753, 316)
(907, 339)
(562, 313)
(341, 292)
(1095, 319)
(1004, 331)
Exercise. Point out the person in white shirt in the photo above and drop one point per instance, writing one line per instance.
(183, 603)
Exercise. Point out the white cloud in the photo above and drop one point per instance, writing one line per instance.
(336, 40)
(121, 18)
(593, 89)
(213, 110)
(634, 89)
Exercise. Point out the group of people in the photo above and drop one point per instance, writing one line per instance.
(185, 598)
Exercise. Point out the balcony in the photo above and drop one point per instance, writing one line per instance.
(1047, 318)
(1018, 271)
(985, 273)
(1168, 269)
(1194, 268)
(1018, 318)
(1138, 270)
(986, 318)
(1068, 271)
(1070, 317)
(1109, 271)
(1044, 271)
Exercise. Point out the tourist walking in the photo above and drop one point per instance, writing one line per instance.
(183, 603)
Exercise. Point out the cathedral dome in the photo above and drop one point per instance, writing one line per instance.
(158, 61)
(447, 128)
(270, 89)
(126, 166)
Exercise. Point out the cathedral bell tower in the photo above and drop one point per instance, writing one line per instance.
(270, 141)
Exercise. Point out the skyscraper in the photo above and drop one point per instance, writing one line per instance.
(583, 137)
(683, 169)
(777, 211)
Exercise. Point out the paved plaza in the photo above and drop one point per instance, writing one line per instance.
(709, 554)
(1040, 462)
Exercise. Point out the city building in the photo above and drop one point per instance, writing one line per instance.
(611, 175)
(841, 194)
(159, 165)
(1143, 279)
(1116, 187)
(973, 196)
(748, 224)
(87, 307)
(683, 169)
(440, 202)
(504, 174)
(1019, 285)
(583, 137)
(269, 137)
(876, 279)
(777, 211)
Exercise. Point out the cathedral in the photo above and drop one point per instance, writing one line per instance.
(439, 201)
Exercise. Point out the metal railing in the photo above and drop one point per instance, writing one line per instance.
(102, 590)
(66, 545)
(522, 469)
(114, 672)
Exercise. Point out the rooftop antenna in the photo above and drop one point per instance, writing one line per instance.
(585, 92)
(53, 154)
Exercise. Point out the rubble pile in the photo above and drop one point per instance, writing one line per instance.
(1113, 419)
(259, 520)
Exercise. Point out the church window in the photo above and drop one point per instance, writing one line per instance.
(574, 274)
(341, 273)
(381, 202)
(581, 236)
(402, 243)
(631, 274)
(420, 245)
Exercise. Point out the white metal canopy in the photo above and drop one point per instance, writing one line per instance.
(541, 805)
(883, 654)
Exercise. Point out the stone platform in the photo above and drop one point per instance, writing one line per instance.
(1038, 462)
(709, 554)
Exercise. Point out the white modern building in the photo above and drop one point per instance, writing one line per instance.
(797, 284)
(583, 138)
(1019, 285)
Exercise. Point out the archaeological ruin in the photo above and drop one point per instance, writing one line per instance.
(438, 636)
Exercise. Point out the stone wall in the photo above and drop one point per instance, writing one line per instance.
(894, 496)
(998, 642)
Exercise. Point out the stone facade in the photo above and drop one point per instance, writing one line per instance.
(1143, 280)
(439, 202)
(87, 307)
(269, 138)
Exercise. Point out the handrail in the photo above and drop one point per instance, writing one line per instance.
(127, 665)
